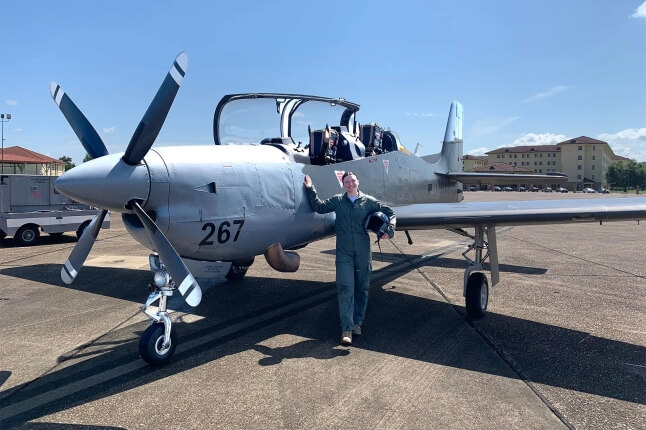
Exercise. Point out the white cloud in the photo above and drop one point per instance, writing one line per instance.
(108, 130)
(529, 139)
(11, 102)
(629, 143)
(479, 151)
(640, 12)
(427, 115)
(483, 127)
(552, 91)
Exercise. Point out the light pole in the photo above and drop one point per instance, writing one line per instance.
(3, 120)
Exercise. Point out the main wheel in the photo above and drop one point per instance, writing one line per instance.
(2, 234)
(477, 295)
(151, 345)
(236, 273)
(27, 235)
(238, 269)
(81, 229)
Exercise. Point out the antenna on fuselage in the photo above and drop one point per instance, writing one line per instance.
(416, 148)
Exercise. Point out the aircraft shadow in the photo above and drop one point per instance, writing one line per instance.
(454, 263)
(397, 324)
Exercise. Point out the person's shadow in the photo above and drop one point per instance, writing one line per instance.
(312, 348)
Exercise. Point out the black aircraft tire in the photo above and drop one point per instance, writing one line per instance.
(150, 345)
(2, 234)
(27, 235)
(477, 296)
(236, 273)
(81, 229)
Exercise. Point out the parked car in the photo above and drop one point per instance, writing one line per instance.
(533, 189)
(497, 188)
(473, 188)
(548, 190)
(561, 190)
(507, 189)
(522, 189)
(604, 191)
(589, 191)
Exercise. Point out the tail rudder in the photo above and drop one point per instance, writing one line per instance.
(452, 144)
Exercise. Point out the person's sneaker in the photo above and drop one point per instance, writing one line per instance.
(346, 337)
(357, 330)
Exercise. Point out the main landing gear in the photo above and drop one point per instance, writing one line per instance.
(476, 286)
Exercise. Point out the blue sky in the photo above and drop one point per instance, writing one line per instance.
(527, 72)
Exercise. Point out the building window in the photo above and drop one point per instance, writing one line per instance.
(541, 155)
(592, 177)
(593, 155)
(580, 147)
(578, 176)
(593, 147)
(535, 163)
(540, 170)
(540, 163)
(593, 167)
(579, 167)
(580, 157)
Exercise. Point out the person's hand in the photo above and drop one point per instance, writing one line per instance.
(307, 182)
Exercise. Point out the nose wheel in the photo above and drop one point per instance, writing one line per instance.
(153, 348)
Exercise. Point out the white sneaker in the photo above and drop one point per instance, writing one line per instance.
(357, 330)
(346, 337)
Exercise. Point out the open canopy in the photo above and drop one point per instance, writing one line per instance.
(250, 118)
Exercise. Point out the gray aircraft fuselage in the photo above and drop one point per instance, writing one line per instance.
(230, 202)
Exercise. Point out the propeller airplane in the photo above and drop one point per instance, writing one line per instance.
(244, 196)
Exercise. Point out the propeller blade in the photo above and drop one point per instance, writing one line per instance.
(86, 133)
(150, 125)
(80, 252)
(187, 285)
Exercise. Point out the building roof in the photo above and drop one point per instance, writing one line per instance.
(474, 157)
(501, 168)
(526, 148)
(619, 158)
(581, 140)
(18, 154)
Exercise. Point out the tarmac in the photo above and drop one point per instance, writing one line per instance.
(563, 344)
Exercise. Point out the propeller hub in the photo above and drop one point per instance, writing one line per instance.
(106, 182)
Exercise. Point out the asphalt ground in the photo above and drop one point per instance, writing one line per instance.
(563, 343)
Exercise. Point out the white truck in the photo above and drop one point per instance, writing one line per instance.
(30, 204)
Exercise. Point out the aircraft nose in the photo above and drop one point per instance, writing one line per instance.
(105, 182)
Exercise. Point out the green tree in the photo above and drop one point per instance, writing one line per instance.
(68, 162)
(87, 157)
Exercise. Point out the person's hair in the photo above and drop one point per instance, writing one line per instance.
(348, 173)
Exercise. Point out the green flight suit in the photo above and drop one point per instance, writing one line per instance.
(353, 250)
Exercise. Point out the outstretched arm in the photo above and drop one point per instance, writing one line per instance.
(318, 205)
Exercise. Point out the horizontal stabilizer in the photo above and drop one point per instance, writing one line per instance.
(502, 178)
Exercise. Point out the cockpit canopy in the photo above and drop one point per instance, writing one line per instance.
(315, 130)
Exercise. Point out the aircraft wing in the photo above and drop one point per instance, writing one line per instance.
(521, 212)
(503, 178)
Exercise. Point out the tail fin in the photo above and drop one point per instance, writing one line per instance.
(452, 145)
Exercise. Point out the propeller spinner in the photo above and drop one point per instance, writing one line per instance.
(119, 183)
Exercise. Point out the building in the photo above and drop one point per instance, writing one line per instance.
(18, 160)
(584, 160)
(470, 162)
